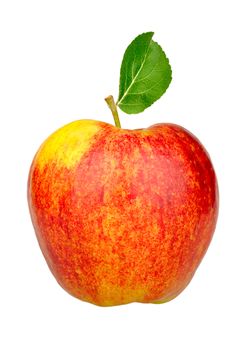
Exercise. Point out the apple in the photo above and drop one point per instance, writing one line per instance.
(123, 215)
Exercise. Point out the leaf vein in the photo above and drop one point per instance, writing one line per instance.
(138, 80)
(142, 92)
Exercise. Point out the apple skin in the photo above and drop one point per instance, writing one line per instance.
(123, 215)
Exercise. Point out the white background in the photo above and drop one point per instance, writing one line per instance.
(58, 61)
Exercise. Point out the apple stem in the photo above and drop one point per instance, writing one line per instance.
(112, 105)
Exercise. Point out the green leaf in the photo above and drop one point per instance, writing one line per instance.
(144, 76)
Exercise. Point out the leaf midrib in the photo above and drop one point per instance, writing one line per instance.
(132, 82)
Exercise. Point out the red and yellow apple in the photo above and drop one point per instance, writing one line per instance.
(123, 215)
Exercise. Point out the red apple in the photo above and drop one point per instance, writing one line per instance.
(123, 215)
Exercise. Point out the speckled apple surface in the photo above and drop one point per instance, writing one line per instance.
(123, 215)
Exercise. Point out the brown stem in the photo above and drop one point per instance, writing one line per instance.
(112, 105)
